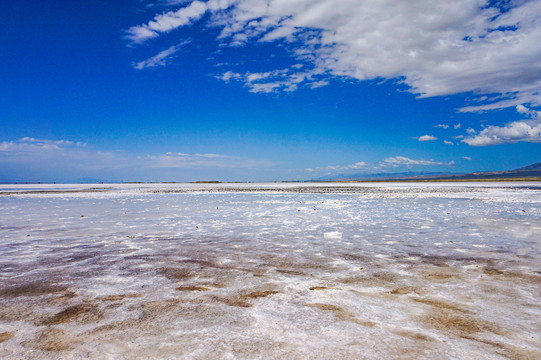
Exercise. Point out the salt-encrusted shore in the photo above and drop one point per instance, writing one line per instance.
(271, 271)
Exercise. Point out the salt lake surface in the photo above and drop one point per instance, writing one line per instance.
(271, 271)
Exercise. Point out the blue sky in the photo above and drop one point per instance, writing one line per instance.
(257, 90)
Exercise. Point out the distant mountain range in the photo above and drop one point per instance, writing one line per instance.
(530, 172)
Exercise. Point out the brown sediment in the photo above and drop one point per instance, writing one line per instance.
(412, 335)
(441, 304)
(253, 271)
(440, 261)
(241, 300)
(176, 273)
(260, 293)
(52, 339)
(507, 350)
(153, 309)
(192, 288)
(214, 284)
(385, 294)
(529, 277)
(81, 312)
(327, 307)
(492, 271)
(358, 257)
(441, 274)
(342, 314)
(404, 290)
(117, 297)
(374, 279)
(458, 323)
(320, 288)
(205, 263)
(235, 301)
(31, 289)
(64, 296)
(5, 336)
(291, 272)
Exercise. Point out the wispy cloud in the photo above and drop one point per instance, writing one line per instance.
(183, 160)
(447, 142)
(525, 130)
(443, 126)
(360, 165)
(159, 59)
(390, 162)
(436, 47)
(41, 157)
(288, 79)
(402, 161)
(43, 143)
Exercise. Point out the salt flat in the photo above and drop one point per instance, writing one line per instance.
(271, 271)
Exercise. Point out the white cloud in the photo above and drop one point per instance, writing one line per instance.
(38, 158)
(467, 158)
(44, 143)
(526, 130)
(457, 126)
(401, 161)
(356, 166)
(287, 79)
(529, 131)
(33, 154)
(166, 22)
(390, 162)
(427, 138)
(528, 112)
(443, 126)
(436, 47)
(183, 160)
(159, 59)
(446, 142)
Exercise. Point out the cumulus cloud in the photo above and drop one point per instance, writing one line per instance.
(447, 142)
(427, 138)
(525, 130)
(402, 161)
(443, 126)
(435, 47)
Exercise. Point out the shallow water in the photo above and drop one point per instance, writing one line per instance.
(271, 271)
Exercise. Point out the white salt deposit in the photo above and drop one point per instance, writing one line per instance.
(333, 235)
(271, 271)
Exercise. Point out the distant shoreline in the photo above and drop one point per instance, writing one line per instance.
(433, 180)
